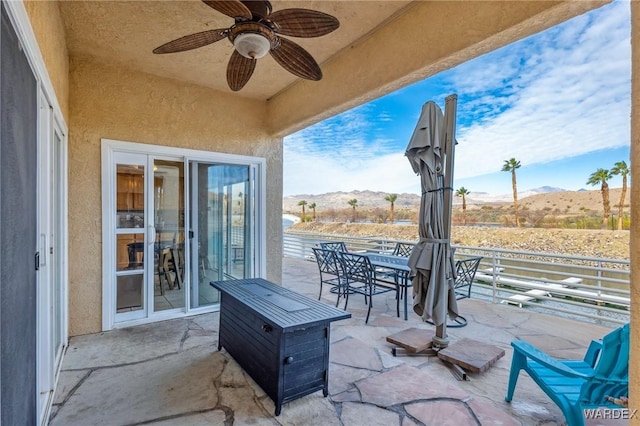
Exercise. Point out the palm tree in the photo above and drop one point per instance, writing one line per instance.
(510, 166)
(601, 176)
(463, 192)
(353, 203)
(312, 206)
(392, 199)
(302, 203)
(620, 168)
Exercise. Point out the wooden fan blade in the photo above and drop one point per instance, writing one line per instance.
(303, 22)
(232, 8)
(239, 70)
(192, 41)
(296, 60)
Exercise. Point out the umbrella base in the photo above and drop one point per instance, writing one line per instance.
(472, 355)
(405, 352)
(413, 340)
(456, 323)
(440, 342)
(458, 372)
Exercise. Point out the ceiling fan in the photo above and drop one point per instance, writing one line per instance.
(256, 32)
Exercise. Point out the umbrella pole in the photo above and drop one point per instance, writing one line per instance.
(441, 339)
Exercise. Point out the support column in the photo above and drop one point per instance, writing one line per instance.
(634, 367)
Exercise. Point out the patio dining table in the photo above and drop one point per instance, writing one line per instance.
(399, 265)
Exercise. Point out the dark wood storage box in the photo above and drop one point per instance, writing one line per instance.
(279, 337)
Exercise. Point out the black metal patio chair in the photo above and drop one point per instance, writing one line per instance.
(331, 272)
(360, 276)
(403, 249)
(334, 245)
(465, 273)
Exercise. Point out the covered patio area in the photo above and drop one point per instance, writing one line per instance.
(170, 373)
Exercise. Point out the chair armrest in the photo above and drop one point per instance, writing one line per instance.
(593, 352)
(551, 363)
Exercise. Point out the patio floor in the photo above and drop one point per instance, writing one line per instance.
(170, 373)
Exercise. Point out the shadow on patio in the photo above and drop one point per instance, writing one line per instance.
(170, 373)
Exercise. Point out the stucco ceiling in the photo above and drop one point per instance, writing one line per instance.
(126, 32)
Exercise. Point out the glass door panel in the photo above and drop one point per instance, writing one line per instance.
(130, 271)
(168, 219)
(221, 225)
(130, 237)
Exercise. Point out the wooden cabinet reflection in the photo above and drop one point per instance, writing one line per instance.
(130, 192)
(129, 251)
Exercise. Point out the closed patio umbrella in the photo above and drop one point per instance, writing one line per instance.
(430, 152)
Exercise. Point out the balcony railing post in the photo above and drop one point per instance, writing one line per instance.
(599, 274)
(494, 279)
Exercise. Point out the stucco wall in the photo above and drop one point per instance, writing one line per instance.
(46, 22)
(115, 103)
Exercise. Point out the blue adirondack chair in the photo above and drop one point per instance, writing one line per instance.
(577, 384)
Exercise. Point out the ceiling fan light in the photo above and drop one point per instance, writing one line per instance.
(252, 45)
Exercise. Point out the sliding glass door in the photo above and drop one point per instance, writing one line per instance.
(168, 226)
(172, 224)
(221, 217)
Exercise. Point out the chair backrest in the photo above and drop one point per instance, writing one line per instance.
(611, 372)
(327, 261)
(403, 249)
(335, 246)
(356, 267)
(178, 255)
(466, 270)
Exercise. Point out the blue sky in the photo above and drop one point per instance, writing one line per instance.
(559, 102)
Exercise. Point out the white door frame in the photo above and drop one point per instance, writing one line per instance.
(109, 148)
(59, 242)
(51, 278)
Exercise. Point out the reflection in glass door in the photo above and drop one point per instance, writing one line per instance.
(168, 220)
(130, 236)
(221, 222)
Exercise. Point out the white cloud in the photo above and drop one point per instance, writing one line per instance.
(323, 173)
(570, 102)
(560, 94)
(340, 154)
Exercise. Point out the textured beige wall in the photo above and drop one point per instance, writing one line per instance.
(114, 103)
(46, 22)
(414, 46)
(634, 369)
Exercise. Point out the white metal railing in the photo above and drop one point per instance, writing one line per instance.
(589, 288)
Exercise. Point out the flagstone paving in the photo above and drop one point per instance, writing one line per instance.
(171, 373)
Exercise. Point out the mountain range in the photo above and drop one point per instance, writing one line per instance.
(485, 197)
(372, 199)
